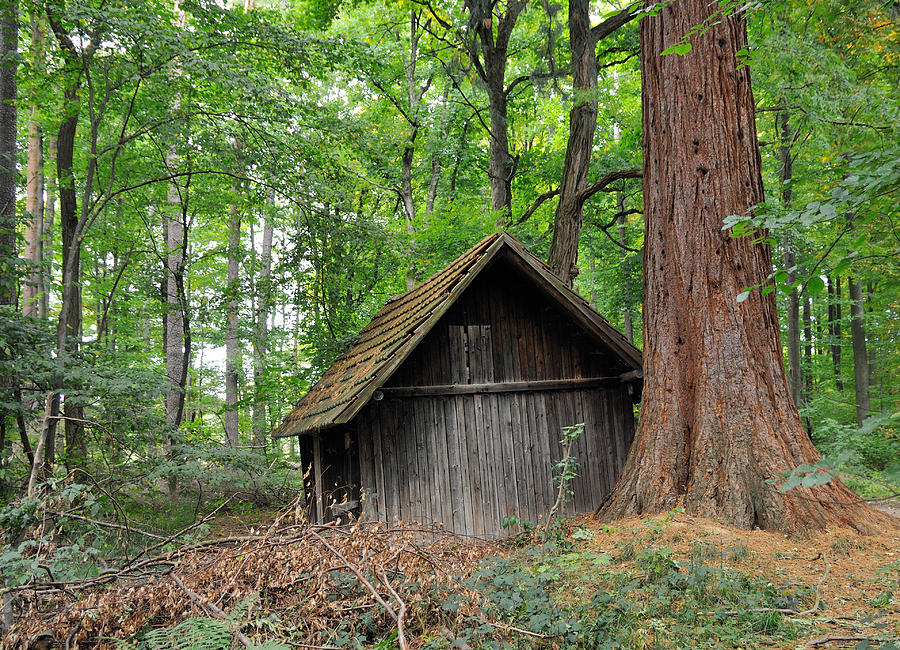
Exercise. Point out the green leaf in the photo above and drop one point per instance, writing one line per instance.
(678, 48)
(815, 285)
(743, 295)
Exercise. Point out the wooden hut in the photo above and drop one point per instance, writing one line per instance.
(448, 407)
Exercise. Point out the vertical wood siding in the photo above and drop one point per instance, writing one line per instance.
(467, 462)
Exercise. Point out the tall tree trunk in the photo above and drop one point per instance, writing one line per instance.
(33, 289)
(491, 25)
(860, 357)
(807, 348)
(834, 328)
(232, 347)
(868, 299)
(436, 157)
(582, 124)
(34, 213)
(47, 231)
(717, 420)
(623, 259)
(260, 340)
(9, 46)
(795, 376)
(71, 311)
(174, 316)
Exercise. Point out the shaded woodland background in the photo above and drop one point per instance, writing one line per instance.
(213, 198)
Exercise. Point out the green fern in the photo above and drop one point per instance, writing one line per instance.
(191, 634)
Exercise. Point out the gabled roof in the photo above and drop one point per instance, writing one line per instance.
(395, 331)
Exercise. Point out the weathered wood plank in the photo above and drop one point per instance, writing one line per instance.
(443, 460)
(468, 496)
(508, 457)
(524, 479)
(457, 519)
(503, 387)
(317, 478)
(475, 476)
(366, 470)
(543, 439)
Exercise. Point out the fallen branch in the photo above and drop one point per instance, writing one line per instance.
(211, 609)
(401, 635)
(836, 639)
(368, 585)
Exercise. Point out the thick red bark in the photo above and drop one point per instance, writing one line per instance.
(717, 418)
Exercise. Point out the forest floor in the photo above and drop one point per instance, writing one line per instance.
(667, 581)
(857, 577)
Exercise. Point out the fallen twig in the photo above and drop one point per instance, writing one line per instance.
(368, 585)
(211, 609)
(836, 639)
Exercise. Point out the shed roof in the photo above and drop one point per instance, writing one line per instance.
(395, 331)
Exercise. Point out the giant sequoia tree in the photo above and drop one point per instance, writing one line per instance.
(717, 417)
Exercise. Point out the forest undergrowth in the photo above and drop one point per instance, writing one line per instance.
(668, 581)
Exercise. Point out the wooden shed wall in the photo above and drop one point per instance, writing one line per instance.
(468, 461)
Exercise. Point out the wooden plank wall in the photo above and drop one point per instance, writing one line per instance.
(469, 461)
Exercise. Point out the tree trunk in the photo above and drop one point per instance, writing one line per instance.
(232, 348)
(795, 376)
(717, 420)
(9, 46)
(834, 328)
(174, 320)
(860, 358)
(261, 343)
(807, 348)
(582, 124)
(47, 231)
(492, 28)
(33, 289)
(868, 299)
(623, 258)
(34, 214)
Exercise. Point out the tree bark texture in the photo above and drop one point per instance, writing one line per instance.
(860, 357)
(582, 124)
(834, 328)
(795, 378)
(33, 288)
(717, 420)
(232, 348)
(47, 231)
(174, 323)
(261, 339)
(9, 45)
(489, 55)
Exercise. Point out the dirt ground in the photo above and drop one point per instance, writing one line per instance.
(860, 595)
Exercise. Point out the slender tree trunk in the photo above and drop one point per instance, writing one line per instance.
(232, 347)
(9, 46)
(623, 258)
(717, 420)
(860, 356)
(34, 200)
(261, 343)
(582, 124)
(807, 348)
(795, 375)
(834, 329)
(47, 231)
(868, 299)
(436, 157)
(33, 289)
(174, 317)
